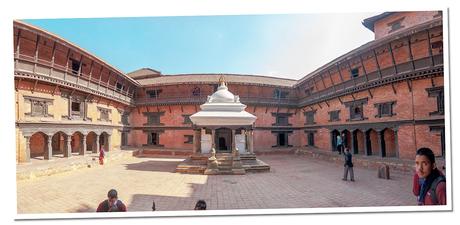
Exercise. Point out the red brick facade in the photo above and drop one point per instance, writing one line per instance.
(387, 92)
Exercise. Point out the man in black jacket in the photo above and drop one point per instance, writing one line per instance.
(348, 166)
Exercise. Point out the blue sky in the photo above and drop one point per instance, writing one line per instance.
(289, 46)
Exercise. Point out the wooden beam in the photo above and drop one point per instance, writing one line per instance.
(36, 53)
(322, 79)
(393, 87)
(100, 77)
(332, 81)
(17, 43)
(411, 57)
(169, 107)
(254, 109)
(370, 93)
(364, 68)
(430, 51)
(432, 81)
(327, 103)
(35, 85)
(377, 63)
(390, 48)
(351, 77)
(138, 110)
(311, 108)
(52, 58)
(354, 99)
(90, 72)
(340, 100)
(409, 85)
(340, 73)
(182, 108)
(320, 105)
(17, 84)
(266, 109)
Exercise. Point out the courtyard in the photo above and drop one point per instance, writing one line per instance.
(293, 182)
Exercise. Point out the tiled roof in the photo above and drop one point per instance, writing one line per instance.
(214, 78)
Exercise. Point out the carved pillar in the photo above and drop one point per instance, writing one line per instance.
(69, 111)
(83, 146)
(49, 149)
(109, 143)
(379, 141)
(213, 137)
(68, 146)
(27, 155)
(97, 144)
(233, 140)
(366, 147)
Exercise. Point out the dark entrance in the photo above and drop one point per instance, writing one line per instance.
(223, 140)
(334, 135)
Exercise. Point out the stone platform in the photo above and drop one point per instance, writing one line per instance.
(225, 164)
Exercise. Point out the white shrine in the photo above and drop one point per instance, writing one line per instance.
(223, 137)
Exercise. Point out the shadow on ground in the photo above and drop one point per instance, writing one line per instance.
(158, 165)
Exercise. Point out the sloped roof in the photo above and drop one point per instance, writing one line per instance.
(213, 79)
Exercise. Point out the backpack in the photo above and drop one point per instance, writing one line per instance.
(433, 187)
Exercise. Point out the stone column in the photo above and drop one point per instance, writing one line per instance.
(379, 141)
(109, 143)
(69, 110)
(83, 147)
(27, 156)
(213, 137)
(233, 140)
(68, 146)
(352, 143)
(366, 137)
(49, 149)
(396, 143)
(97, 144)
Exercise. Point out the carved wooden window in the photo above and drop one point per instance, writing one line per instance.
(310, 117)
(354, 72)
(438, 93)
(396, 25)
(38, 106)
(153, 118)
(104, 114)
(280, 94)
(188, 139)
(75, 66)
(154, 93)
(125, 118)
(334, 116)
(282, 119)
(356, 109)
(309, 91)
(385, 109)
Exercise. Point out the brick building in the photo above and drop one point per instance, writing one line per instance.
(386, 96)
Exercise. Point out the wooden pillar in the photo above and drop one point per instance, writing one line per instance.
(68, 146)
(352, 143)
(366, 141)
(196, 141)
(251, 141)
(380, 143)
(109, 142)
(27, 156)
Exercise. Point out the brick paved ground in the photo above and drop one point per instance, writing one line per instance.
(293, 182)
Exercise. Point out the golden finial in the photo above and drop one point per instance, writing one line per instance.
(222, 80)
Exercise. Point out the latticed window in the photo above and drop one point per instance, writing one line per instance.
(356, 112)
(310, 117)
(282, 120)
(354, 72)
(438, 93)
(334, 115)
(104, 114)
(385, 109)
(154, 93)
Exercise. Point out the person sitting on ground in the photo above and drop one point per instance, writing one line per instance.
(348, 165)
(200, 205)
(432, 189)
(112, 203)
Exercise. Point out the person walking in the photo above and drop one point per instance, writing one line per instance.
(348, 166)
(101, 155)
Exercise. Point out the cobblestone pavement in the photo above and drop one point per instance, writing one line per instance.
(293, 182)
